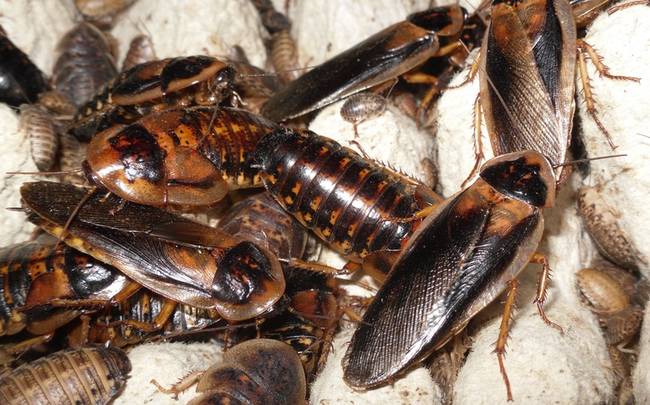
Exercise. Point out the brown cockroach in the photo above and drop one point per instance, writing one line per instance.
(380, 58)
(85, 63)
(527, 70)
(21, 81)
(46, 287)
(602, 224)
(37, 125)
(258, 371)
(187, 157)
(362, 106)
(140, 51)
(355, 205)
(463, 256)
(102, 12)
(155, 86)
(92, 375)
(179, 259)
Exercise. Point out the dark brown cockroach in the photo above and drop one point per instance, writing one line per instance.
(93, 375)
(20, 80)
(259, 371)
(85, 63)
(355, 205)
(179, 259)
(380, 58)
(102, 12)
(602, 224)
(458, 260)
(527, 70)
(155, 86)
(45, 288)
(37, 125)
(140, 51)
(180, 157)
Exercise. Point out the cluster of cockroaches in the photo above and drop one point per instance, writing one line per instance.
(118, 264)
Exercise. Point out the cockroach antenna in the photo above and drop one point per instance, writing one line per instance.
(56, 173)
(73, 214)
(572, 162)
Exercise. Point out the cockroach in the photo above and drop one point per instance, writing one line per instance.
(102, 12)
(362, 106)
(155, 86)
(21, 81)
(180, 157)
(602, 224)
(353, 204)
(71, 156)
(37, 125)
(92, 375)
(179, 259)
(85, 63)
(458, 260)
(259, 371)
(45, 288)
(284, 56)
(378, 59)
(58, 103)
(140, 51)
(527, 69)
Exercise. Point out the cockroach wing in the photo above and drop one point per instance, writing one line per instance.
(385, 55)
(528, 67)
(453, 266)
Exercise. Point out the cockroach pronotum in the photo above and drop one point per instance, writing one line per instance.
(258, 371)
(458, 260)
(355, 205)
(85, 63)
(92, 375)
(155, 86)
(380, 58)
(20, 80)
(179, 259)
(180, 157)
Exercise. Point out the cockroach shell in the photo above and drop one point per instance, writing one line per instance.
(248, 281)
(268, 369)
(603, 293)
(362, 106)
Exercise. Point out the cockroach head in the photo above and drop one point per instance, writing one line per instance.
(527, 176)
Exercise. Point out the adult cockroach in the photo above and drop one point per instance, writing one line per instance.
(46, 287)
(380, 58)
(37, 125)
(259, 371)
(179, 259)
(527, 70)
(93, 375)
(85, 63)
(155, 86)
(184, 157)
(355, 205)
(458, 260)
(20, 80)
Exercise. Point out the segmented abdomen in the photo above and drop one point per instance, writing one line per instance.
(84, 376)
(352, 203)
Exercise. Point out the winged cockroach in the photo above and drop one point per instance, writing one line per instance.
(462, 257)
(174, 257)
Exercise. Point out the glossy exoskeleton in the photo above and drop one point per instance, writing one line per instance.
(185, 157)
(459, 259)
(45, 288)
(20, 80)
(179, 259)
(382, 57)
(155, 86)
(85, 63)
(258, 371)
(355, 205)
(93, 375)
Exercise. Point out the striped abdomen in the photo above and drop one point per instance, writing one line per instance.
(352, 203)
(84, 376)
(38, 126)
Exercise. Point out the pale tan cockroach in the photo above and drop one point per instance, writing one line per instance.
(93, 375)
(141, 50)
(602, 223)
(284, 56)
(38, 126)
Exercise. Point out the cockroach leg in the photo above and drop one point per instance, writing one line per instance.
(478, 141)
(166, 312)
(358, 145)
(317, 267)
(624, 5)
(434, 89)
(540, 296)
(597, 60)
(182, 384)
(471, 75)
(504, 330)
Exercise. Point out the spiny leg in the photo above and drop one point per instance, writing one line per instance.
(540, 296)
(182, 384)
(504, 328)
(478, 141)
(471, 75)
(597, 60)
(166, 312)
